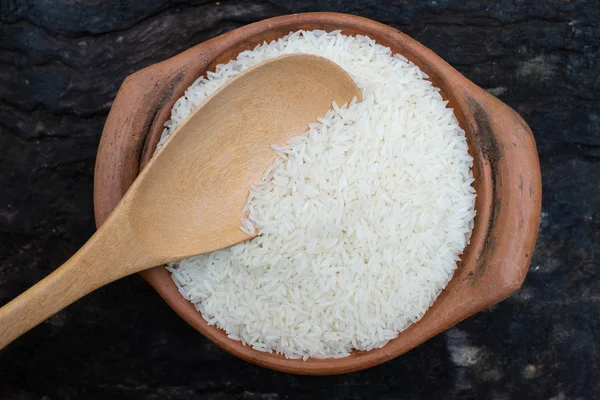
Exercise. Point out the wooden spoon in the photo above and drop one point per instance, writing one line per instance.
(188, 200)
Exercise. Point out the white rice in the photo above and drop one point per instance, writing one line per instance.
(361, 220)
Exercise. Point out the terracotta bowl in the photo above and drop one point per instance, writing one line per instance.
(506, 169)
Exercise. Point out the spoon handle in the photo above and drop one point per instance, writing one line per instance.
(110, 254)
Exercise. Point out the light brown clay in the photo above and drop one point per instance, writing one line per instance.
(506, 170)
(189, 198)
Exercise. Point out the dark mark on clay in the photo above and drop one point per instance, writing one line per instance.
(521, 183)
(530, 191)
(167, 93)
(492, 153)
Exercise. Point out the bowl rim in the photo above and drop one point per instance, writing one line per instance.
(506, 170)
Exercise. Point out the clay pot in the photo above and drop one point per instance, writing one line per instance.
(506, 170)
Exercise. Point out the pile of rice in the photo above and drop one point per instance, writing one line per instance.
(360, 220)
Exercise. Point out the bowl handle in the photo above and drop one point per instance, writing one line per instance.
(141, 107)
(511, 161)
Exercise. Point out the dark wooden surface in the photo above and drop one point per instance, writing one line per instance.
(61, 64)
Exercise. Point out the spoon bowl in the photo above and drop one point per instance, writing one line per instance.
(195, 198)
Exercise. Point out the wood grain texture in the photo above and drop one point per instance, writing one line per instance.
(62, 63)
